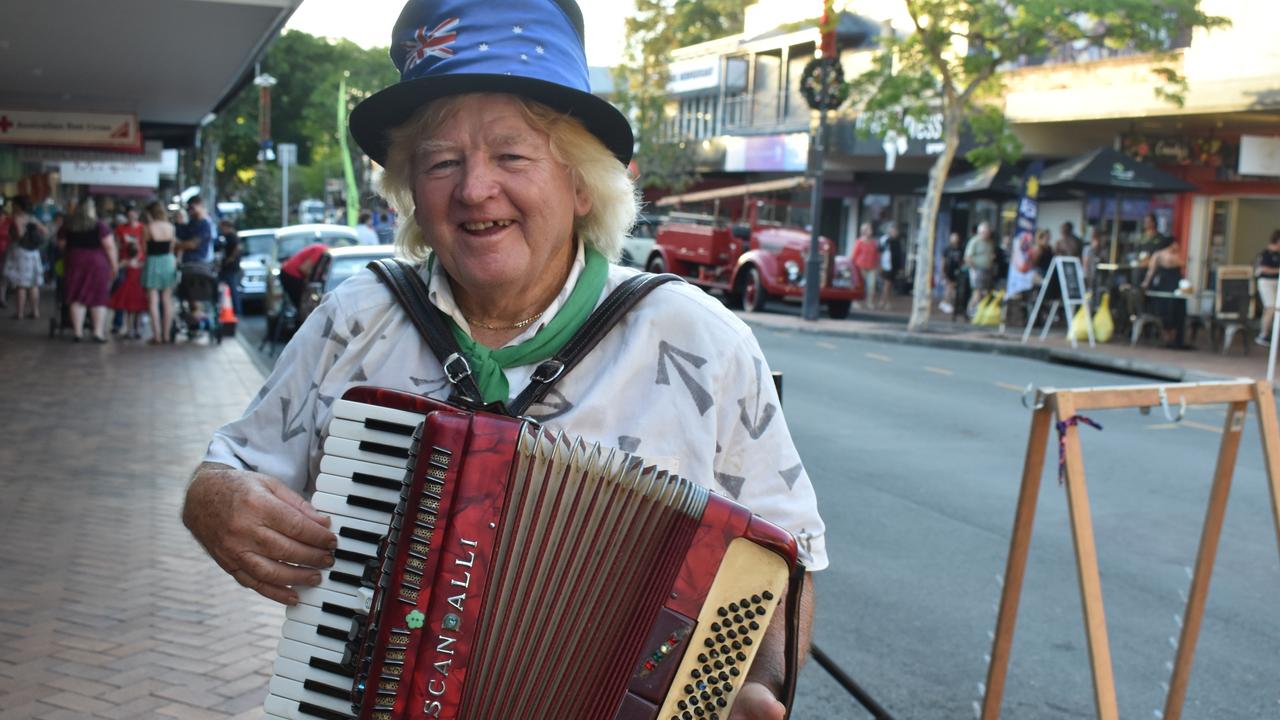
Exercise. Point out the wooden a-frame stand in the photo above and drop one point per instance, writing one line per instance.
(1065, 404)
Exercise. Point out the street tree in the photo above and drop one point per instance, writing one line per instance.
(654, 30)
(950, 60)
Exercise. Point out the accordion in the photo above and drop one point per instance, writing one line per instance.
(490, 569)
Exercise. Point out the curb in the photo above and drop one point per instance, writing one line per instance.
(1076, 358)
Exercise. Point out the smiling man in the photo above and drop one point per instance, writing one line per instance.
(510, 180)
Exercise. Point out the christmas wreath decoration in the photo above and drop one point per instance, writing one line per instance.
(811, 83)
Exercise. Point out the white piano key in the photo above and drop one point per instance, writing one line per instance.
(350, 410)
(278, 707)
(346, 467)
(293, 690)
(355, 431)
(342, 487)
(304, 633)
(318, 596)
(338, 505)
(302, 652)
(353, 526)
(344, 447)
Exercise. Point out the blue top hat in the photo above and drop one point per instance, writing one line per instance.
(531, 48)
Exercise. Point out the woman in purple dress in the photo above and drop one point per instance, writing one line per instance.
(91, 264)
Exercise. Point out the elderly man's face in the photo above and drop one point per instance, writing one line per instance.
(493, 203)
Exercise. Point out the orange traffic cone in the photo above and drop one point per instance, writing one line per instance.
(226, 313)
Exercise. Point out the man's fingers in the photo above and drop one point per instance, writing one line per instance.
(278, 546)
(295, 518)
(278, 593)
(271, 572)
(295, 501)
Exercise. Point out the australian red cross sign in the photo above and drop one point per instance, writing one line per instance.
(66, 129)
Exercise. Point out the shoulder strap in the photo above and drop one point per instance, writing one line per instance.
(791, 644)
(598, 324)
(411, 292)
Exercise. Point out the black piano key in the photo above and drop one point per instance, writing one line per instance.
(364, 502)
(339, 610)
(331, 632)
(329, 666)
(375, 481)
(327, 689)
(388, 426)
(389, 450)
(344, 578)
(361, 535)
(324, 713)
(351, 555)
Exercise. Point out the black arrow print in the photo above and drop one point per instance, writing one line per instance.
(791, 474)
(433, 384)
(292, 427)
(554, 403)
(355, 329)
(671, 353)
(732, 483)
(627, 443)
(758, 421)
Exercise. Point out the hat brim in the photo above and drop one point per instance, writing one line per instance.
(373, 119)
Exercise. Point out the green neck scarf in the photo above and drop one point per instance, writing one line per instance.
(487, 363)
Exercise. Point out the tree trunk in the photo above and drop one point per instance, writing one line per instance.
(922, 292)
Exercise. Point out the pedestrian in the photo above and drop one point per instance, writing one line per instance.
(866, 258)
(1164, 275)
(1093, 254)
(128, 235)
(1042, 255)
(1267, 270)
(1068, 244)
(24, 268)
(952, 264)
(514, 193)
(229, 271)
(365, 231)
(6, 220)
(296, 271)
(201, 235)
(129, 299)
(91, 264)
(979, 260)
(160, 272)
(891, 262)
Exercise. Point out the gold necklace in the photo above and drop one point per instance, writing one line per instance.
(514, 326)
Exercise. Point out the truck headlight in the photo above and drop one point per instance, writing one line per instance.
(792, 269)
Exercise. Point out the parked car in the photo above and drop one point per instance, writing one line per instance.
(257, 246)
(336, 265)
(638, 244)
(291, 239)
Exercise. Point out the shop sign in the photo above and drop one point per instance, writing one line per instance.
(924, 135)
(1259, 155)
(766, 153)
(123, 174)
(152, 152)
(97, 130)
(704, 73)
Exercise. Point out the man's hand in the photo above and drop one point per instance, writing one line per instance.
(262, 533)
(756, 702)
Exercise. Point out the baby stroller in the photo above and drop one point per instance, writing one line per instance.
(197, 302)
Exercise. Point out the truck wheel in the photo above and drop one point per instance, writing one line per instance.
(656, 265)
(751, 291)
(838, 309)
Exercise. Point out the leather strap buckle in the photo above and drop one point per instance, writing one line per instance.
(548, 372)
(456, 368)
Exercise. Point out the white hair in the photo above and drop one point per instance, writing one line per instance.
(608, 184)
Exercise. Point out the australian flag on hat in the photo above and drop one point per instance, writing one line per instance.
(530, 38)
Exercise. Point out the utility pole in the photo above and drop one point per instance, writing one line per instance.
(817, 154)
(288, 156)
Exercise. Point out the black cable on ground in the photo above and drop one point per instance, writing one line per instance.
(848, 683)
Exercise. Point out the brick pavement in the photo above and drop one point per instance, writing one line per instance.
(108, 608)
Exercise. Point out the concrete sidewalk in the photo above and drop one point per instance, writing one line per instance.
(1144, 361)
(108, 607)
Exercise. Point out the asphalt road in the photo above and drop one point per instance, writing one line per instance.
(916, 455)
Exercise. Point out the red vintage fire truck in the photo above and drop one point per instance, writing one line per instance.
(754, 260)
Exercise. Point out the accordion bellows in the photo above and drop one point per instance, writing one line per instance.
(520, 574)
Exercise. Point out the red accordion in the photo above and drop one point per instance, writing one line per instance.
(519, 574)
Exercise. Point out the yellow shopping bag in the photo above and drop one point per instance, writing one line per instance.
(988, 314)
(1103, 324)
(1080, 323)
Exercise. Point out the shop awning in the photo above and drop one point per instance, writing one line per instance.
(1109, 171)
(167, 62)
(992, 181)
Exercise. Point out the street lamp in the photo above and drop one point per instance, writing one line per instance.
(265, 82)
